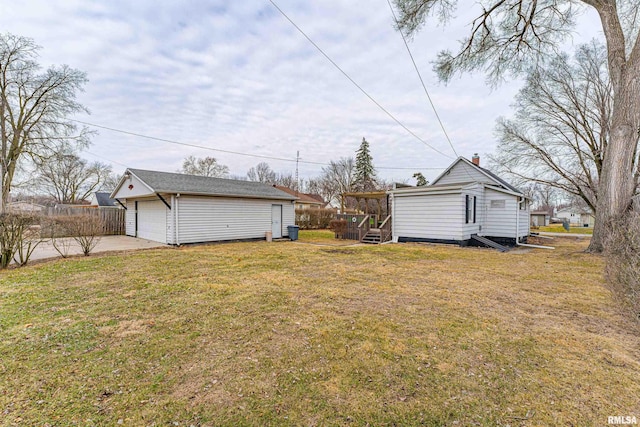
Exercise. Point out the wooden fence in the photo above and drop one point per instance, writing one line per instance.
(353, 221)
(112, 219)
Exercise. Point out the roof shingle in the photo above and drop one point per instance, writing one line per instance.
(165, 182)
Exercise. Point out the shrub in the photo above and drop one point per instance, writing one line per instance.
(17, 236)
(308, 219)
(622, 271)
(338, 226)
(84, 229)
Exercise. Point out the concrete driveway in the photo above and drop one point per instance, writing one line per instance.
(46, 250)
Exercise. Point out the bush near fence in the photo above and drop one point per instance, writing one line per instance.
(311, 219)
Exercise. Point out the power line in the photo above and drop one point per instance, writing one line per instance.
(424, 86)
(104, 158)
(354, 82)
(404, 39)
(186, 144)
(169, 141)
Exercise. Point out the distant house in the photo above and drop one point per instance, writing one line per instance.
(304, 200)
(464, 205)
(102, 200)
(540, 218)
(576, 216)
(175, 208)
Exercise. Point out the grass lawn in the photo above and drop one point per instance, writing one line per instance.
(324, 237)
(288, 333)
(558, 228)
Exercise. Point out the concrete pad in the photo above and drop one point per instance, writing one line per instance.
(46, 250)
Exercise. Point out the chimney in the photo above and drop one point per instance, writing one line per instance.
(476, 159)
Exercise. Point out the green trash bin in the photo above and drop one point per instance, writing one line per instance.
(293, 231)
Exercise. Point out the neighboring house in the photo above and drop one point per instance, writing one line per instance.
(466, 200)
(102, 200)
(304, 200)
(25, 207)
(175, 208)
(576, 216)
(540, 218)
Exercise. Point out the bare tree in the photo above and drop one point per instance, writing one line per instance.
(559, 135)
(34, 107)
(312, 186)
(204, 166)
(546, 197)
(286, 180)
(337, 178)
(509, 36)
(261, 173)
(70, 179)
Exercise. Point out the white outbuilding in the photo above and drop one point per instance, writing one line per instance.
(466, 204)
(176, 209)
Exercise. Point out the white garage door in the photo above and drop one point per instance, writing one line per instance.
(152, 221)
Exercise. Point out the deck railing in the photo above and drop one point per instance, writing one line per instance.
(363, 227)
(385, 230)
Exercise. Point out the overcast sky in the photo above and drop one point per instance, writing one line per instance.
(238, 76)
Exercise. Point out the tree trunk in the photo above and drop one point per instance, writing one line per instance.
(616, 186)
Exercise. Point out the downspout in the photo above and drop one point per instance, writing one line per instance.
(518, 220)
(394, 236)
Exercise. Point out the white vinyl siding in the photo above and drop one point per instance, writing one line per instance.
(204, 219)
(501, 222)
(525, 219)
(132, 187)
(462, 172)
(288, 216)
(433, 216)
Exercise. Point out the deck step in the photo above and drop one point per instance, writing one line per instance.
(490, 243)
(373, 236)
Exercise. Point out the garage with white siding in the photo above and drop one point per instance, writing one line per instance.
(178, 209)
(464, 201)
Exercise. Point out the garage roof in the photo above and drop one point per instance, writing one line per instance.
(174, 183)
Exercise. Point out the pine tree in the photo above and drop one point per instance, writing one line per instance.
(421, 181)
(365, 176)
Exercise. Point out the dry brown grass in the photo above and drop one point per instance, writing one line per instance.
(295, 334)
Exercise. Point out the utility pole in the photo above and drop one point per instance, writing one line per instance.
(297, 183)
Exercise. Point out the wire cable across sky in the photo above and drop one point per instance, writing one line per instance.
(203, 147)
(356, 84)
(404, 39)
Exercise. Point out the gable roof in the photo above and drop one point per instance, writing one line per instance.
(304, 198)
(173, 183)
(493, 177)
(103, 199)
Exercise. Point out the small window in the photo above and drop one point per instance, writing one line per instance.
(497, 204)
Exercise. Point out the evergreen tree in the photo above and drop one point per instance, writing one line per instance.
(421, 181)
(365, 174)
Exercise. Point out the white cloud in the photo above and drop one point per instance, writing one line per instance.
(237, 76)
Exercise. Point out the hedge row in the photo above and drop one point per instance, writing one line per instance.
(309, 219)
